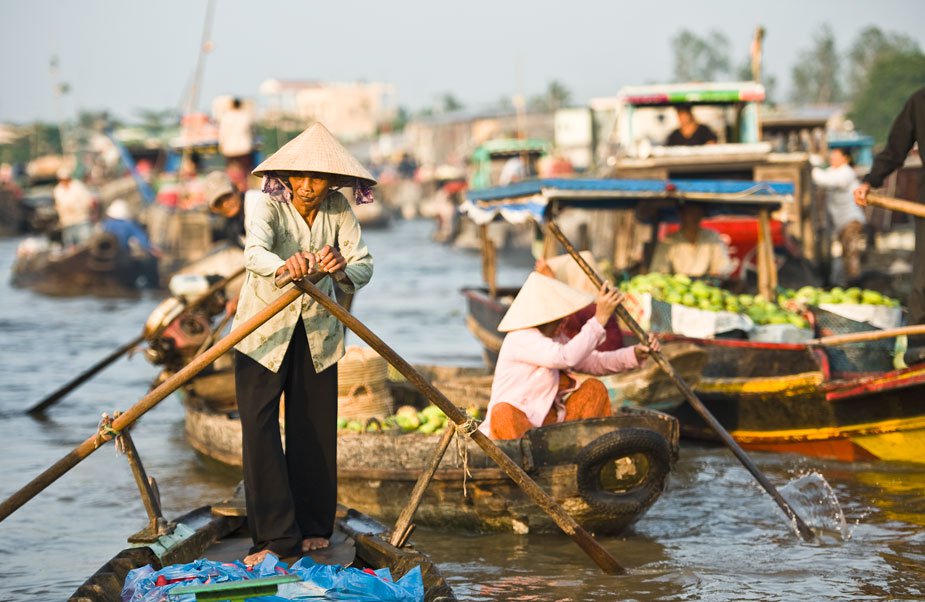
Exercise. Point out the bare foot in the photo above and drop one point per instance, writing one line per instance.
(256, 558)
(314, 543)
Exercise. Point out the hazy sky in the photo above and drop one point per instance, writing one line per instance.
(123, 55)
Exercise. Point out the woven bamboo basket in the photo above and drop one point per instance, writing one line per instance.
(360, 366)
(467, 391)
(362, 385)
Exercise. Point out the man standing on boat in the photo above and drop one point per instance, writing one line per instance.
(847, 219)
(690, 132)
(907, 130)
(74, 203)
(301, 224)
(236, 141)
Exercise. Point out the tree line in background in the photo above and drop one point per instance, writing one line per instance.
(874, 76)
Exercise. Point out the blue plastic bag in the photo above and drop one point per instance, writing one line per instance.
(353, 584)
(141, 584)
(330, 582)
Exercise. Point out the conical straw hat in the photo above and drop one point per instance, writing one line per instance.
(316, 149)
(542, 299)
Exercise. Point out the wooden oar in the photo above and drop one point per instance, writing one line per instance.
(403, 526)
(86, 375)
(863, 337)
(893, 204)
(805, 532)
(150, 400)
(585, 540)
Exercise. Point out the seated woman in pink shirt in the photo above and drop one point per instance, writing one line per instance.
(532, 386)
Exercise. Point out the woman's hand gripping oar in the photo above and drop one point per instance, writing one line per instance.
(805, 532)
(126, 419)
(466, 427)
(93, 370)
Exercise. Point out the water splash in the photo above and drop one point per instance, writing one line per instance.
(814, 500)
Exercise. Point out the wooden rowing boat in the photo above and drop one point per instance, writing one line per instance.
(377, 470)
(219, 533)
(95, 267)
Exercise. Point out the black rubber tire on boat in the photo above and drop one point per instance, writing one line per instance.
(615, 445)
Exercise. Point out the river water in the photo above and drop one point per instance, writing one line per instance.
(713, 535)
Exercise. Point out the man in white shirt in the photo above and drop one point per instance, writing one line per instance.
(73, 202)
(839, 181)
(692, 250)
(236, 138)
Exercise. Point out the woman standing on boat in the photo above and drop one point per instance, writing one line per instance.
(532, 386)
(300, 224)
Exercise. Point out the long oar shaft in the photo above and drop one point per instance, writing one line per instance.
(805, 532)
(863, 337)
(585, 541)
(893, 204)
(93, 370)
(150, 400)
(83, 377)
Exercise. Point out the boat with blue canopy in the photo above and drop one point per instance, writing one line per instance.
(746, 205)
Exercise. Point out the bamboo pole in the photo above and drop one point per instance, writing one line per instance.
(893, 204)
(402, 527)
(764, 223)
(489, 261)
(86, 375)
(50, 475)
(761, 262)
(863, 337)
(569, 526)
(805, 532)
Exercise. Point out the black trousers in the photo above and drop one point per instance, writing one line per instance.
(917, 295)
(290, 495)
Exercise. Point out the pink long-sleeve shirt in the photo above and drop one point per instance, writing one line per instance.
(527, 372)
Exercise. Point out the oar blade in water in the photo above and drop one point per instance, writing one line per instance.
(816, 503)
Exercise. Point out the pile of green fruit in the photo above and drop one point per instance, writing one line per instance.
(678, 289)
(809, 295)
(407, 419)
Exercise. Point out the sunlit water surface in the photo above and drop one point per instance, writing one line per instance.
(713, 535)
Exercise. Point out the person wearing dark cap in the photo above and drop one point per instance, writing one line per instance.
(690, 132)
(907, 130)
(226, 200)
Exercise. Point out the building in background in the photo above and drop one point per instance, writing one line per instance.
(448, 138)
(351, 110)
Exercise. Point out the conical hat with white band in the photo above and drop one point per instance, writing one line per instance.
(542, 299)
(316, 149)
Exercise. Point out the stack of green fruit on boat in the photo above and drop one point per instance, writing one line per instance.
(678, 289)
(810, 295)
(407, 419)
(857, 304)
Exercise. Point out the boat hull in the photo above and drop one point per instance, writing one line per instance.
(377, 471)
(874, 417)
(93, 268)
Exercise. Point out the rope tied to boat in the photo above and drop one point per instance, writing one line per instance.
(105, 432)
(464, 431)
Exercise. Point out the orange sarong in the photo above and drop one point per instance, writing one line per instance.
(590, 400)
